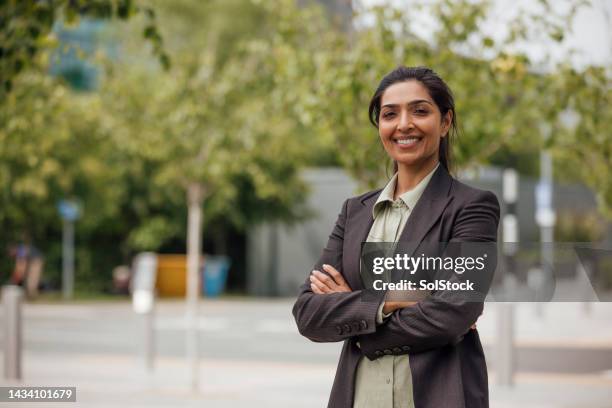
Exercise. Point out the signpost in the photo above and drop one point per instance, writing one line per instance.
(545, 217)
(70, 211)
(505, 356)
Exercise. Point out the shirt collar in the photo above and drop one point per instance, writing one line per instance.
(410, 197)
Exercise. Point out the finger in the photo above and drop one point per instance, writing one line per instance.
(316, 285)
(337, 276)
(325, 279)
(322, 286)
(315, 289)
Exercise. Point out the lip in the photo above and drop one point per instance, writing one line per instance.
(395, 141)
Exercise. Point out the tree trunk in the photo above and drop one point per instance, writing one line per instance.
(195, 194)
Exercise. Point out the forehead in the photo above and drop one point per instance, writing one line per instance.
(402, 93)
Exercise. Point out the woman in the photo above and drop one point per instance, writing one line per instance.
(399, 353)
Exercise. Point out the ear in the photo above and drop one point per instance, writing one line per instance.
(446, 122)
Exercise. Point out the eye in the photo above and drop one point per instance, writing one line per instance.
(421, 111)
(388, 114)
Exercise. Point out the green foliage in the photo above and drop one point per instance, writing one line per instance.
(585, 150)
(52, 147)
(26, 30)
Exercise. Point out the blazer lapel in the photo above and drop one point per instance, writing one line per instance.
(428, 209)
(426, 212)
(361, 221)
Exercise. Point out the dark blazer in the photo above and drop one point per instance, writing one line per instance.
(446, 357)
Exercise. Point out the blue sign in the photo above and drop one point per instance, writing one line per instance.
(69, 210)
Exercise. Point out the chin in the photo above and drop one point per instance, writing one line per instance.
(413, 161)
(409, 161)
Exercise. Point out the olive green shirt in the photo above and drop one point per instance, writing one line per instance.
(387, 381)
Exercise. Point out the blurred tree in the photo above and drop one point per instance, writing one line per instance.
(220, 118)
(53, 146)
(582, 136)
(212, 122)
(498, 99)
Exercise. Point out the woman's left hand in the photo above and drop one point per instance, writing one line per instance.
(321, 283)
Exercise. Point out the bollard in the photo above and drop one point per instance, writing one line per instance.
(12, 296)
(144, 305)
(143, 301)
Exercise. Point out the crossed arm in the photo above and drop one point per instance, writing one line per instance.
(328, 310)
(321, 284)
(391, 339)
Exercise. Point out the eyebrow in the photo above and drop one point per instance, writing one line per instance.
(395, 105)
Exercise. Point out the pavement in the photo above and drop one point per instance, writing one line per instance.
(252, 356)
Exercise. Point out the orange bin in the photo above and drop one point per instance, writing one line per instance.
(172, 275)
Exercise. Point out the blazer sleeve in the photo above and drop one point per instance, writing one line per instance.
(336, 316)
(438, 321)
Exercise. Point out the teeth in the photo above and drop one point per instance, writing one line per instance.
(410, 140)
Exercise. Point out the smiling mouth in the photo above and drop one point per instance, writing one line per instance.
(407, 141)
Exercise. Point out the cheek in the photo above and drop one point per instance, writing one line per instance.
(385, 131)
(428, 126)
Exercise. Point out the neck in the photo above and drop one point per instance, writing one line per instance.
(408, 176)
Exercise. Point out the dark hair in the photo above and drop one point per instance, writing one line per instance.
(439, 92)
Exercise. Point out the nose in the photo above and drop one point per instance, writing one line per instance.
(405, 122)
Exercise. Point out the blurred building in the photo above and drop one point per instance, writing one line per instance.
(72, 59)
(279, 258)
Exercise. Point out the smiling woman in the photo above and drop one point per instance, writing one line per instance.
(414, 112)
(400, 352)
